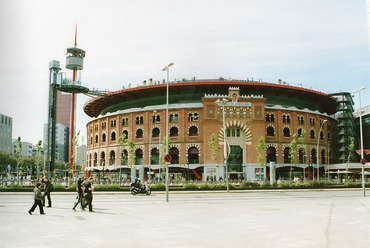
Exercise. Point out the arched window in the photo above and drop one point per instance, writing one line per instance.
(125, 133)
(139, 157)
(95, 159)
(96, 138)
(113, 136)
(175, 155)
(193, 155)
(103, 137)
(271, 154)
(286, 155)
(323, 159)
(193, 131)
(270, 131)
(139, 133)
(312, 134)
(112, 157)
(322, 135)
(313, 156)
(91, 140)
(154, 156)
(124, 157)
(174, 132)
(286, 132)
(102, 158)
(155, 132)
(301, 155)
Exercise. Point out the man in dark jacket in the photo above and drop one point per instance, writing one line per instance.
(48, 189)
(80, 190)
(89, 188)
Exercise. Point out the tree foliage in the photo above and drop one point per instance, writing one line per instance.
(214, 148)
(261, 151)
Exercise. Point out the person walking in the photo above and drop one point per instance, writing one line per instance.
(80, 191)
(37, 196)
(48, 188)
(89, 188)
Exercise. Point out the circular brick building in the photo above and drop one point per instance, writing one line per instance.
(252, 110)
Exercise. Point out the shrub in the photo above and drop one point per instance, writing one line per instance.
(190, 186)
(107, 187)
(265, 185)
(205, 186)
(158, 186)
(249, 185)
(284, 185)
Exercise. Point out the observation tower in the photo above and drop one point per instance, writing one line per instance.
(74, 62)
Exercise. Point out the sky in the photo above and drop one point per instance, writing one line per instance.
(323, 45)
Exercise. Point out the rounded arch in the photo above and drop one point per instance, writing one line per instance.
(270, 131)
(193, 155)
(155, 132)
(112, 157)
(174, 131)
(125, 132)
(175, 155)
(286, 132)
(271, 154)
(95, 159)
(139, 133)
(139, 156)
(154, 156)
(193, 131)
(241, 125)
(102, 158)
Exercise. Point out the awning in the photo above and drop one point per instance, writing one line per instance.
(106, 168)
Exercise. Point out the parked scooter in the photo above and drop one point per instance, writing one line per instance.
(140, 190)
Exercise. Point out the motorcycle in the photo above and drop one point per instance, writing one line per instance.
(138, 190)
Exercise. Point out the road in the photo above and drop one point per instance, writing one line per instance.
(244, 219)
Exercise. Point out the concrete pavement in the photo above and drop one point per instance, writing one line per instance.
(332, 218)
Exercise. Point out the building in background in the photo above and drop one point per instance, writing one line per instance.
(6, 130)
(365, 132)
(26, 148)
(61, 141)
(346, 124)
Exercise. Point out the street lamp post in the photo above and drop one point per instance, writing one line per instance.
(150, 144)
(362, 144)
(318, 151)
(223, 102)
(167, 68)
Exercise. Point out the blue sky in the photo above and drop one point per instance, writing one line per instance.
(322, 45)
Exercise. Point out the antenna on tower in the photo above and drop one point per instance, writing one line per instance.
(76, 36)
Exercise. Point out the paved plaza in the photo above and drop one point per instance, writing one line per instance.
(331, 218)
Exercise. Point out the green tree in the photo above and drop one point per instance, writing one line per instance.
(18, 151)
(351, 149)
(261, 151)
(214, 148)
(7, 159)
(131, 154)
(163, 149)
(27, 166)
(122, 145)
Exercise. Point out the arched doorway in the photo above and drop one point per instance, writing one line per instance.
(154, 156)
(139, 157)
(175, 155)
(193, 155)
(271, 154)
